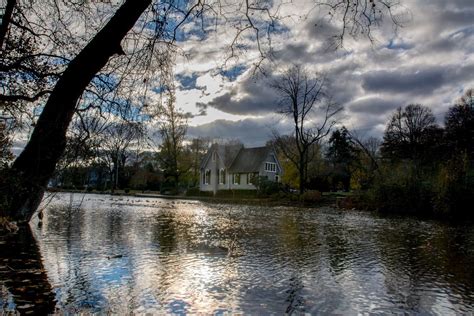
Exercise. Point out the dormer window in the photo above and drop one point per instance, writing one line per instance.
(270, 167)
(214, 156)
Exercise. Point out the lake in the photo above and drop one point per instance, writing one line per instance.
(144, 255)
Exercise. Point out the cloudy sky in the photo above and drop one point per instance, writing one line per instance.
(430, 60)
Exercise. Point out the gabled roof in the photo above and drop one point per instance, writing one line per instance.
(236, 158)
(226, 153)
(249, 159)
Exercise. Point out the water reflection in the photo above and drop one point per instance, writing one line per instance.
(161, 256)
(24, 287)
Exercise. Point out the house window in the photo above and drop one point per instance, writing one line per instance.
(270, 166)
(277, 178)
(222, 176)
(236, 178)
(207, 176)
(252, 178)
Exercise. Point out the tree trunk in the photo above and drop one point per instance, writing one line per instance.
(302, 175)
(6, 19)
(36, 164)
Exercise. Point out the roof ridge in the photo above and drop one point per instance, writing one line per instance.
(235, 158)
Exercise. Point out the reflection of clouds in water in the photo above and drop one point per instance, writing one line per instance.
(130, 254)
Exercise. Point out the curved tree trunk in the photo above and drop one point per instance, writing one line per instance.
(34, 167)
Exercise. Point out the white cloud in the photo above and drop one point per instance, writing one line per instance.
(429, 61)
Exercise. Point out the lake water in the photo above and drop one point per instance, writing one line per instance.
(129, 254)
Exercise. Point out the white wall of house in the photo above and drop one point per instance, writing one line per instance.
(271, 175)
(210, 183)
(215, 164)
(243, 184)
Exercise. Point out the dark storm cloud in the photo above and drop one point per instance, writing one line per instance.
(252, 132)
(416, 80)
(403, 81)
(251, 97)
(293, 52)
(373, 105)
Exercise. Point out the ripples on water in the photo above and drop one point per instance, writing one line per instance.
(127, 254)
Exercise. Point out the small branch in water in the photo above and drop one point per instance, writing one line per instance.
(114, 257)
(10, 267)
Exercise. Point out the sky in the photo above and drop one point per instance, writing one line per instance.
(429, 60)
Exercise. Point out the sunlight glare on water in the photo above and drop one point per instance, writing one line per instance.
(130, 254)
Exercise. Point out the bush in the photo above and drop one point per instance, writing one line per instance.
(311, 196)
(169, 187)
(454, 188)
(126, 190)
(400, 189)
(266, 187)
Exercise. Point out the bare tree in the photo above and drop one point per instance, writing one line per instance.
(312, 112)
(172, 130)
(410, 133)
(459, 125)
(116, 141)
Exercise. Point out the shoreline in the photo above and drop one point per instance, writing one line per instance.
(326, 200)
(340, 201)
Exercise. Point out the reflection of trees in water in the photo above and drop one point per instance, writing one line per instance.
(164, 232)
(79, 250)
(338, 251)
(291, 261)
(67, 251)
(434, 259)
(22, 273)
(295, 239)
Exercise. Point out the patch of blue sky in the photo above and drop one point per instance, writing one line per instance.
(188, 82)
(159, 89)
(463, 33)
(234, 72)
(106, 81)
(398, 46)
(174, 24)
(117, 106)
(277, 27)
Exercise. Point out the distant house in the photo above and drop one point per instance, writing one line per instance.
(235, 167)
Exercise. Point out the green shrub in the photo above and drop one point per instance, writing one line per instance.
(400, 189)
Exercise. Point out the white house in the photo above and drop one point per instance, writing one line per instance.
(235, 167)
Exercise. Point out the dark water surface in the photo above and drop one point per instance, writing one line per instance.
(126, 254)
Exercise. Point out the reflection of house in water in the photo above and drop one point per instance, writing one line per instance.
(227, 167)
